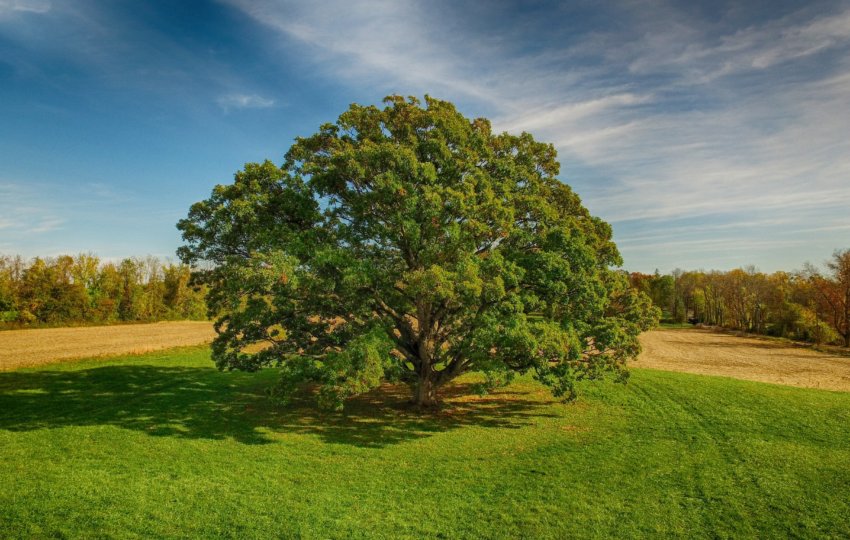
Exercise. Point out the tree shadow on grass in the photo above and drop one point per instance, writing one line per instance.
(203, 403)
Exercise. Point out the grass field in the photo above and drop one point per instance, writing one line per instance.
(163, 445)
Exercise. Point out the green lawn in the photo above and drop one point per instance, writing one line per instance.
(163, 445)
(675, 325)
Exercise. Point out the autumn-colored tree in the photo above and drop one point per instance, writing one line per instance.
(833, 293)
(809, 305)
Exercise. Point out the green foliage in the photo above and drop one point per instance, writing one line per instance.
(79, 290)
(661, 289)
(458, 246)
(202, 454)
(808, 327)
(362, 366)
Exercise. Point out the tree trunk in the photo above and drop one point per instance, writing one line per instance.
(847, 317)
(425, 392)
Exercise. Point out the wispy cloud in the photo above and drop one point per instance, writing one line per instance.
(24, 6)
(671, 119)
(25, 211)
(43, 218)
(383, 42)
(665, 118)
(244, 101)
(755, 47)
(48, 225)
(557, 115)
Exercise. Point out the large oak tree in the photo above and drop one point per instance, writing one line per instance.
(408, 243)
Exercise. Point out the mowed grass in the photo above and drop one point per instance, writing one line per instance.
(163, 445)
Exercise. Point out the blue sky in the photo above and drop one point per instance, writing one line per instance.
(711, 135)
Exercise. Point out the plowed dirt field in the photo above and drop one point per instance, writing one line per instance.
(714, 353)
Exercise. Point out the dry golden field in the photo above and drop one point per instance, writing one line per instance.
(20, 348)
(713, 353)
(687, 350)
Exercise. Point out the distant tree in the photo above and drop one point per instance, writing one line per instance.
(81, 289)
(782, 314)
(108, 290)
(662, 292)
(412, 244)
(183, 298)
(810, 305)
(833, 293)
(9, 282)
(686, 284)
(152, 301)
(130, 290)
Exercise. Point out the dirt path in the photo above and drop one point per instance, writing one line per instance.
(19, 348)
(714, 353)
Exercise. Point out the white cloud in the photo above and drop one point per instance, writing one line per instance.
(760, 47)
(25, 210)
(665, 118)
(557, 115)
(37, 213)
(244, 101)
(27, 6)
(47, 225)
(385, 42)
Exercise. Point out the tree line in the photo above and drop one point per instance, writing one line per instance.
(808, 305)
(83, 289)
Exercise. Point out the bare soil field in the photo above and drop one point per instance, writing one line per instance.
(20, 348)
(712, 353)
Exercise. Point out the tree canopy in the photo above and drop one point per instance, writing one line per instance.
(411, 244)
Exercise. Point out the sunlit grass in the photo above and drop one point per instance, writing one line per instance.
(164, 445)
